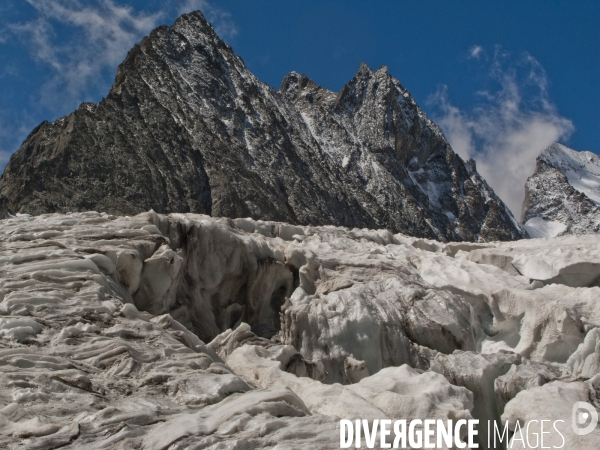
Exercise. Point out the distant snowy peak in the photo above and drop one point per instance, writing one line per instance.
(563, 195)
(582, 169)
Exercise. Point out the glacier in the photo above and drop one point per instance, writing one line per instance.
(188, 331)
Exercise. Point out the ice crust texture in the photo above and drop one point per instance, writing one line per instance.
(563, 195)
(187, 128)
(186, 331)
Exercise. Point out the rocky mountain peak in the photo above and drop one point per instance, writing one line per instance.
(188, 128)
(295, 85)
(563, 194)
(364, 71)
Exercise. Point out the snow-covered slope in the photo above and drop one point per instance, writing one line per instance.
(187, 331)
(582, 169)
(563, 195)
(188, 128)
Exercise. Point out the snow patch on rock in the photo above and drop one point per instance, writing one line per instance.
(537, 227)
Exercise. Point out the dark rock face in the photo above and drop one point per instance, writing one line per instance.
(187, 128)
(562, 191)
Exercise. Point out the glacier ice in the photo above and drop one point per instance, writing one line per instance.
(186, 331)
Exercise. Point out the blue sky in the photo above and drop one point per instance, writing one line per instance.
(502, 79)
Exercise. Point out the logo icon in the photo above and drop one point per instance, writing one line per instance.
(583, 413)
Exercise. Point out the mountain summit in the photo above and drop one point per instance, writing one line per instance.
(563, 195)
(187, 128)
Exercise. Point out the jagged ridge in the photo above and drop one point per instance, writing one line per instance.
(187, 128)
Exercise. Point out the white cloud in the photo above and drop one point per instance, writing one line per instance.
(508, 128)
(39, 33)
(104, 32)
(475, 51)
(221, 20)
